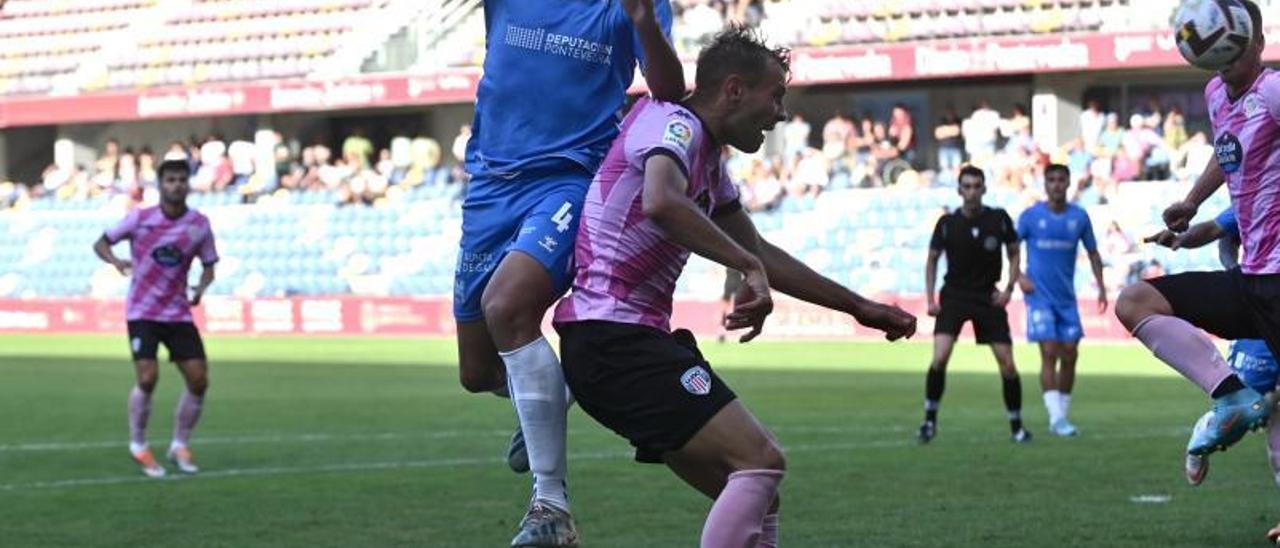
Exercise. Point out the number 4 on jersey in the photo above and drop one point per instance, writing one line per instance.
(563, 217)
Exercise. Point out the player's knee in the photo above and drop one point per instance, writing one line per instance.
(475, 381)
(198, 385)
(1136, 302)
(504, 314)
(147, 383)
(771, 457)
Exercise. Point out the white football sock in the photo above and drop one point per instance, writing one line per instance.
(1053, 404)
(1064, 403)
(538, 392)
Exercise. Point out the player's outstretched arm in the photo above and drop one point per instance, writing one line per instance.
(792, 277)
(931, 281)
(1199, 235)
(102, 248)
(662, 69)
(665, 203)
(1178, 216)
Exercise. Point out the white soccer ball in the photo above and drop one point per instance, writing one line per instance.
(1212, 34)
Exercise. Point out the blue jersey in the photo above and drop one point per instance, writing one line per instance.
(555, 78)
(1052, 240)
(1253, 362)
(1227, 222)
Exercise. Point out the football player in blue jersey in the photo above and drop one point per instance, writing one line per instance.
(547, 109)
(1053, 231)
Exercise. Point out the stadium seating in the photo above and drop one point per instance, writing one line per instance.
(301, 244)
(85, 45)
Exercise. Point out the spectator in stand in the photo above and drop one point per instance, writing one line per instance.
(950, 146)
(107, 162)
(215, 171)
(1195, 154)
(147, 177)
(1153, 114)
(356, 149)
(902, 133)
(1092, 120)
(1119, 251)
(289, 172)
(979, 132)
(835, 136)
(1175, 129)
(1104, 153)
(240, 155)
(1017, 124)
(766, 187)
(795, 136)
(810, 175)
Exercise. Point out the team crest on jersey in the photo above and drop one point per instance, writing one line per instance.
(678, 133)
(167, 255)
(974, 231)
(991, 243)
(1230, 152)
(1072, 224)
(696, 381)
(193, 232)
(1251, 105)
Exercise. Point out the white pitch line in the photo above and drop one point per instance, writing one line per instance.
(472, 461)
(265, 438)
(383, 436)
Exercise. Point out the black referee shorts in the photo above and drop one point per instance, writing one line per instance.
(990, 322)
(182, 339)
(1229, 304)
(651, 387)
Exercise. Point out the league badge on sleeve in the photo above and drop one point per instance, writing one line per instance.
(678, 133)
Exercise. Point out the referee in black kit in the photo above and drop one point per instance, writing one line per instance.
(971, 237)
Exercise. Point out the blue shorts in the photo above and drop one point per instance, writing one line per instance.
(534, 211)
(1253, 362)
(1058, 322)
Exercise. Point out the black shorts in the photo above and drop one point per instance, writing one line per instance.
(990, 322)
(1229, 304)
(651, 387)
(182, 339)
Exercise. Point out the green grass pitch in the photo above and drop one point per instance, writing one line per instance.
(371, 442)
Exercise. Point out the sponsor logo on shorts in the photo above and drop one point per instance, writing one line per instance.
(696, 381)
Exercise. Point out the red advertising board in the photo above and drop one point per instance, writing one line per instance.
(433, 317)
(967, 57)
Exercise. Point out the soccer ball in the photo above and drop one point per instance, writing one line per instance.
(1212, 34)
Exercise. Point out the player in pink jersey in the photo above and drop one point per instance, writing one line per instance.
(662, 193)
(163, 241)
(1244, 302)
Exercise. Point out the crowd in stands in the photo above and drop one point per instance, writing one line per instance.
(358, 173)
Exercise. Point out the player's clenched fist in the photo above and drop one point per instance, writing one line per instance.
(895, 322)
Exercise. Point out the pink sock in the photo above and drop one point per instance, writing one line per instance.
(139, 412)
(769, 533)
(1185, 348)
(186, 416)
(737, 517)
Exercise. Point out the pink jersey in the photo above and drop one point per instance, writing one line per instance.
(162, 251)
(1247, 143)
(626, 268)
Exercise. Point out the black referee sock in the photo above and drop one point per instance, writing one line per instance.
(1013, 401)
(935, 384)
(1227, 386)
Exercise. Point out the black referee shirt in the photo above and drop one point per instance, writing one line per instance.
(973, 248)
